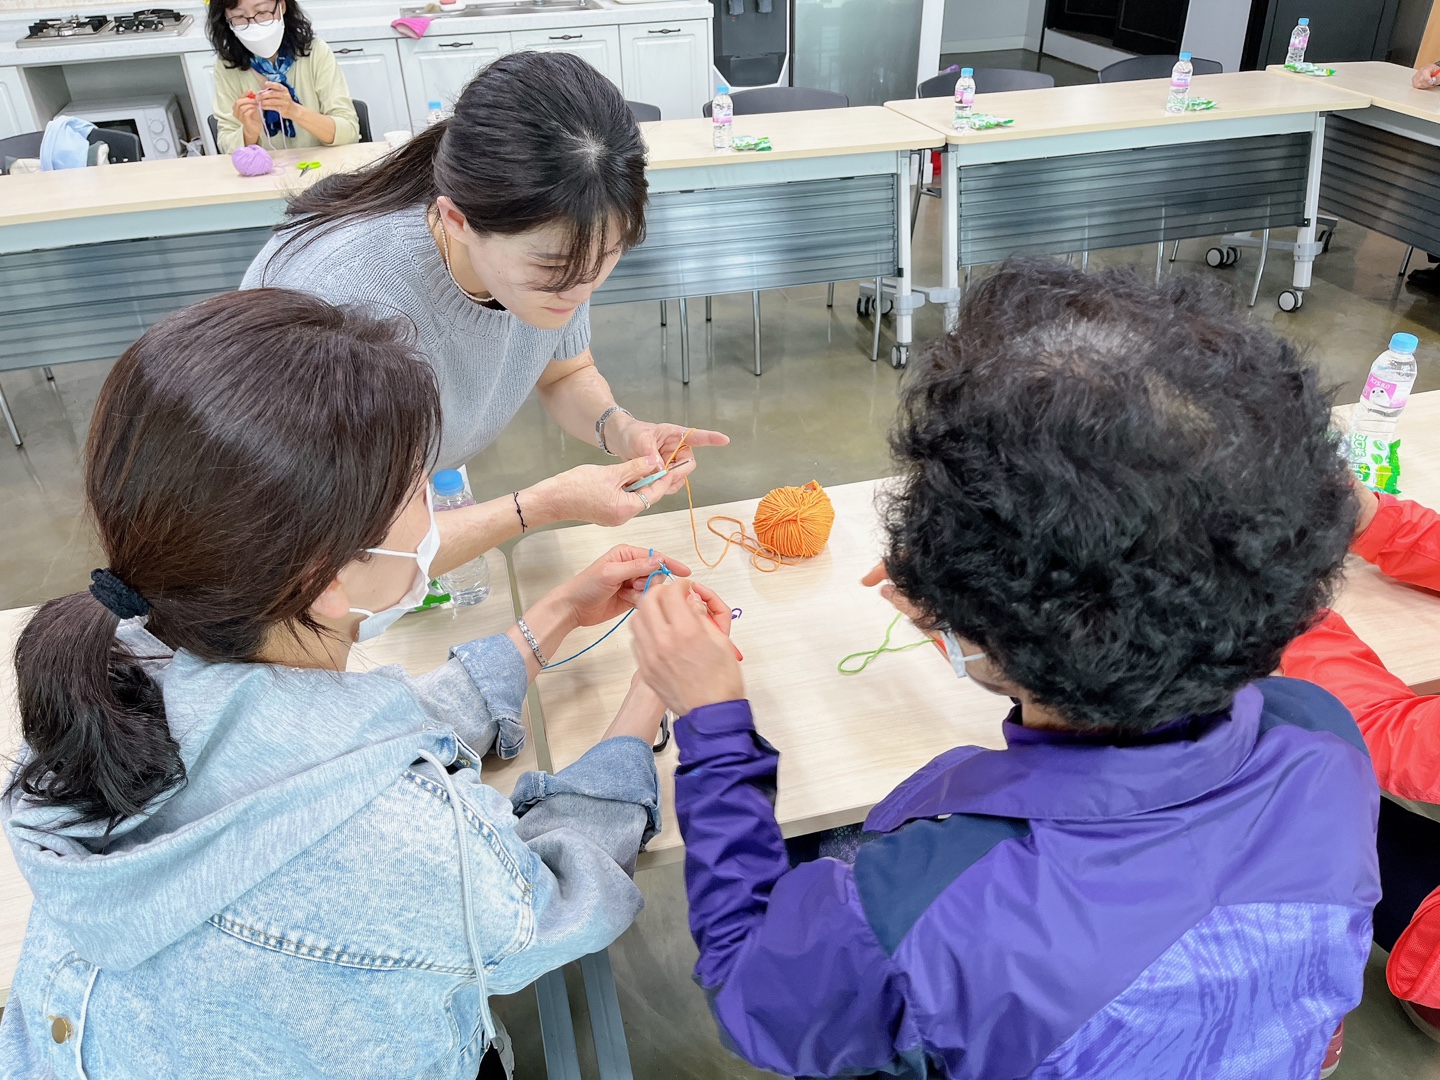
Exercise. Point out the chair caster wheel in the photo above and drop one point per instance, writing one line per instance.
(1215, 257)
(899, 356)
(1291, 300)
(863, 306)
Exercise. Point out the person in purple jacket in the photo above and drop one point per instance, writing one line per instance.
(1116, 504)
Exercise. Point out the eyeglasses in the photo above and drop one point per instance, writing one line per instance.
(239, 22)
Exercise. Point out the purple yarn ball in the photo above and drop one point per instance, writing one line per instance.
(251, 161)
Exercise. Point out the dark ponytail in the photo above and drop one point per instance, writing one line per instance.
(242, 452)
(536, 139)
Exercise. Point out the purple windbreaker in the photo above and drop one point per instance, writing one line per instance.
(1192, 903)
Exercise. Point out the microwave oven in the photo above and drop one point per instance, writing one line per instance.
(155, 119)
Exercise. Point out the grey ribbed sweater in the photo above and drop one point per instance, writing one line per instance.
(486, 361)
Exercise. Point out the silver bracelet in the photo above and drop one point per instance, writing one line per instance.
(600, 426)
(534, 645)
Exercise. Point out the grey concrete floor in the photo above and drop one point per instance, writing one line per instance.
(820, 411)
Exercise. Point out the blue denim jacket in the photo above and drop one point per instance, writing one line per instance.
(311, 902)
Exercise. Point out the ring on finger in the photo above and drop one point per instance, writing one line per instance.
(643, 499)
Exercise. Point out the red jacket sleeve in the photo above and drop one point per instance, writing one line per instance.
(1401, 729)
(1404, 542)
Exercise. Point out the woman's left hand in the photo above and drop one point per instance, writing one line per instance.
(275, 98)
(613, 583)
(681, 653)
(657, 442)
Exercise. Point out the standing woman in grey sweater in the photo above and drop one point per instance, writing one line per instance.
(489, 231)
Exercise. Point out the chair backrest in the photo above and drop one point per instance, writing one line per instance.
(362, 115)
(1154, 67)
(644, 114)
(987, 81)
(772, 99)
(19, 146)
(123, 145)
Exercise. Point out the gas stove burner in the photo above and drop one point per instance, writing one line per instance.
(146, 21)
(70, 26)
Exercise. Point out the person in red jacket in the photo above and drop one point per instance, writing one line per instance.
(1402, 730)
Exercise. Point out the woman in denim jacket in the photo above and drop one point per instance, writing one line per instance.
(246, 861)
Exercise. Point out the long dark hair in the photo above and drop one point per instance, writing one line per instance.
(299, 34)
(536, 138)
(242, 452)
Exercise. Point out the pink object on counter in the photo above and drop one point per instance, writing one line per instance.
(413, 26)
(251, 161)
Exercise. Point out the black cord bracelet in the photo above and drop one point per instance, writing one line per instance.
(518, 513)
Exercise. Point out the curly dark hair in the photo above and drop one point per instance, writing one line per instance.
(1128, 496)
(299, 34)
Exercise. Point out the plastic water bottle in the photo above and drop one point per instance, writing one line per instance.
(437, 113)
(468, 584)
(722, 117)
(964, 98)
(1299, 38)
(1180, 84)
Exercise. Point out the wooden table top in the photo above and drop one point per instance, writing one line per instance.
(419, 642)
(1097, 107)
(1386, 85)
(167, 185)
(674, 144)
(845, 741)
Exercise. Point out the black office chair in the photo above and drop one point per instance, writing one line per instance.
(1154, 67)
(644, 114)
(123, 146)
(362, 117)
(771, 99)
(987, 81)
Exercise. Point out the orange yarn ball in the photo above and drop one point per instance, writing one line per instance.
(795, 521)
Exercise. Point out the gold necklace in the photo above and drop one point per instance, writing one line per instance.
(445, 246)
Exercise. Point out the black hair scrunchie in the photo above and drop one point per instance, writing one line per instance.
(119, 598)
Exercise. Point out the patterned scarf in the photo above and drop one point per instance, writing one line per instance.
(276, 73)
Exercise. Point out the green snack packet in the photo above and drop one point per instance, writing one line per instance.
(751, 142)
(1376, 462)
(984, 121)
(1199, 105)
(1320, 71)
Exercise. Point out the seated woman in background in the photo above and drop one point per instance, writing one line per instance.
(247, 862)
(276, 83)
(1402, 729)
(1117, 503)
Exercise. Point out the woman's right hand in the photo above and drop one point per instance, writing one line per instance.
(247, 111)
(1425, 77)
(596, 493)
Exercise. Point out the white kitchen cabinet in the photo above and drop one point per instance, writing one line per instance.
(600, 45)
(200, 76)
(372, 71)
(437, 68)
(667, 65)
(15, 115)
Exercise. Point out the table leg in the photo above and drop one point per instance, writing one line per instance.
(950, 232)
(903, 318)
(612, 1054)
(879, 304)
(1305, 247)
(1260, 267)
(755, 303)
(684, 343)
(9, 419)
(557, 1029)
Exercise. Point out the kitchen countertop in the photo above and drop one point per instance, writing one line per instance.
(333, 22)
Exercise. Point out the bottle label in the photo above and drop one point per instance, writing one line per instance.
(722, 118)
(965, 99)
(1385, 395)
(1179, 84)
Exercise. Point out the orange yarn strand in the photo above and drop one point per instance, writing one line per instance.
(790, 523)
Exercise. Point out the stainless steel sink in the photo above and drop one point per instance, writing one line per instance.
(498, 7)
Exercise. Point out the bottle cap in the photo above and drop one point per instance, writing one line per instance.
(723, 88)
(1184, 56)
(434, 104)
(1304, 22)
(1404, 343)
(966, 73)
(448, 482)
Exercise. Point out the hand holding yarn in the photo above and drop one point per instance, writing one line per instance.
(612, 585)
(251, 160)
(681, 653)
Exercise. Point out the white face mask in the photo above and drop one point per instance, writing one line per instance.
(957, 656)
(376, 623)
(262, 39)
